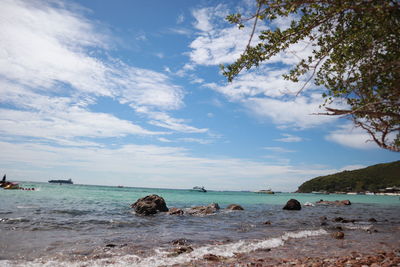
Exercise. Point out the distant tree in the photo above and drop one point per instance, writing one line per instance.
(355, 57)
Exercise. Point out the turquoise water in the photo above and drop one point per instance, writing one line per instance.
(78, 222)
(179, 198)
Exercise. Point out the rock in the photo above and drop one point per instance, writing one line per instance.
(373, 220)
(204, 210)
(180, 242)
(234, 207)
(111, 245)
(211, 257)
(149, 205)
(336, 202)
(338, 235)
(267, 222)
(292, 204)
(338, 219)
(342, 220)
(183, 249)
(175, 211)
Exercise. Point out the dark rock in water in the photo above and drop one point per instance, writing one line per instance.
(373, 220)
(150, 205)
(111, 245)
(211, 257)
(348, 221)
(204, 210)
(292, 204)
(342, 220)
(338, 235)
(267, 222)
(180, 242)
(175, 211)
(179, 250)
(338, 219)
(234, 207)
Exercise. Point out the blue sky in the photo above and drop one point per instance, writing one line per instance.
(129, 93)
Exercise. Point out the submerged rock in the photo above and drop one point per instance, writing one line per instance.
(175, 211)
(336, 202)
(204, 210)
(292, 204)
(234, 207)
(150, 205)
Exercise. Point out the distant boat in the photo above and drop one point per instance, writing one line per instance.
(69, 181)
(320, 192)
(199, 189)
(265, 191)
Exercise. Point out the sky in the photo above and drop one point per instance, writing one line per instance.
(130, 93)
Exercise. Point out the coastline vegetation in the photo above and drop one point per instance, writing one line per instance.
(373, 179)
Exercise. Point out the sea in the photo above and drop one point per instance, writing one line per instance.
(88, 225)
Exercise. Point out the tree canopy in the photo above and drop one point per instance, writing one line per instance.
(355, 56)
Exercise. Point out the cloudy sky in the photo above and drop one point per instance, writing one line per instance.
(130, 93)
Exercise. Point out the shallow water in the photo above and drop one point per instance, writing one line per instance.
(80, 223)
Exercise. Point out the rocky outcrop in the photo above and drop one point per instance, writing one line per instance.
(292, 204)
(336, 202)
(150, 205)
(175, 211)
(204, 210)
(234, 207)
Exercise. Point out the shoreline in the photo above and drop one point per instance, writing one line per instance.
(316, 252)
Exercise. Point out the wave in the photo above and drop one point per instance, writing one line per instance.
(163, 258)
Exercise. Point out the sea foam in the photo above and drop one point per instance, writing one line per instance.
(163, 258)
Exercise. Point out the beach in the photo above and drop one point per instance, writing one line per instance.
(82, 225)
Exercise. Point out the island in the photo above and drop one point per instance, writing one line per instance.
(377, 179)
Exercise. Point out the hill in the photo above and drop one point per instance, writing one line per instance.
(371, 179)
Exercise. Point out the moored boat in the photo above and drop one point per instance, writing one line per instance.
(199, 189)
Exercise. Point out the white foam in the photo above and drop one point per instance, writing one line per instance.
(161, 257)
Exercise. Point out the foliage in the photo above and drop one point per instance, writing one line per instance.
(371, 179)
(355, 56)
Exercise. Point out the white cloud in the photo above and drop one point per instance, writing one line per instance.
(295, 112)
(348, 135)
(278, 149)
(162, 119)
(55, 58)
(262, 82)
(180, 19)
(288, 138)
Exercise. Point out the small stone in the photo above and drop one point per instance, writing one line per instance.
(338, 235)
(211, 257)
(267, 222)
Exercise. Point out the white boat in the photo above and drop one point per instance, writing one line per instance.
(265, 191)
(199, 189)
